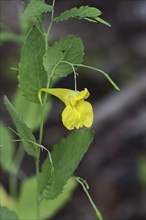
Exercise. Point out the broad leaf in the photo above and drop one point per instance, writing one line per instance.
(30, 111)
(79, 13)
(32, 75)
(6, 214)
(48, 208)
(7, 149)
(68, 49)
(36, 8)
(24, 132)
(66, 156)
(84, 12)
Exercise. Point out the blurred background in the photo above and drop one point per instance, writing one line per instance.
(114, 166)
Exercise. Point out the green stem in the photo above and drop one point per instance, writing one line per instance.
(19, 156)
(50, 25)
(102, 72)
(75, 81)
(75, 73)
(13, 176)
(49, 83)
(41, 124)
(42, 114)
(92, 68)
(49, 80)
(37, 188)
(13, 184)
(85, 188)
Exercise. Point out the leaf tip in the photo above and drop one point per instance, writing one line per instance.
(117, 88)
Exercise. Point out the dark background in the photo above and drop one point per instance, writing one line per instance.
(112, 164)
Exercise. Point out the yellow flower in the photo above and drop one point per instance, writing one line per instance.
(77, 113)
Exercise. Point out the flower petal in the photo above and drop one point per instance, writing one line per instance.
(86, 113)
(77, 113)
(62, 94)
(79, 96)
(70, 117)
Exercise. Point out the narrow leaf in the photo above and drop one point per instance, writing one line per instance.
(36, 8)
(32, 75)
(66, 156)
(6, 214)
(68, 49)
(25, 133)
(79, 13)
(102, 21)
(7, 149)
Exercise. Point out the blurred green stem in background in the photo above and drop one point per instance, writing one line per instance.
(42, 115)
(86, 188)
(13, 176)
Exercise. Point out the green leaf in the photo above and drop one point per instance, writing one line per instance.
(7, 149)
(24, 132)
(84, 12)
(102, 21)
(48, 208)
(36, 8)
(30, 111)
(79, 13)
(6, 214)
(6, 199)
(68, 49)
(66, 156)
(32, 75)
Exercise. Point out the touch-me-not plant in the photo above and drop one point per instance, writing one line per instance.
(40, 62)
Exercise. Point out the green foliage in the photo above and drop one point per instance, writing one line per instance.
(102, 21)
(31, 111)
(5, 199)
(47, 207)
(6, 214)
(66, 156)
(37, 7)
(44, 194)
(24, 132)
(7, 149)
(79, 13)
(84, 12)
(68, 49)
(32, 75)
